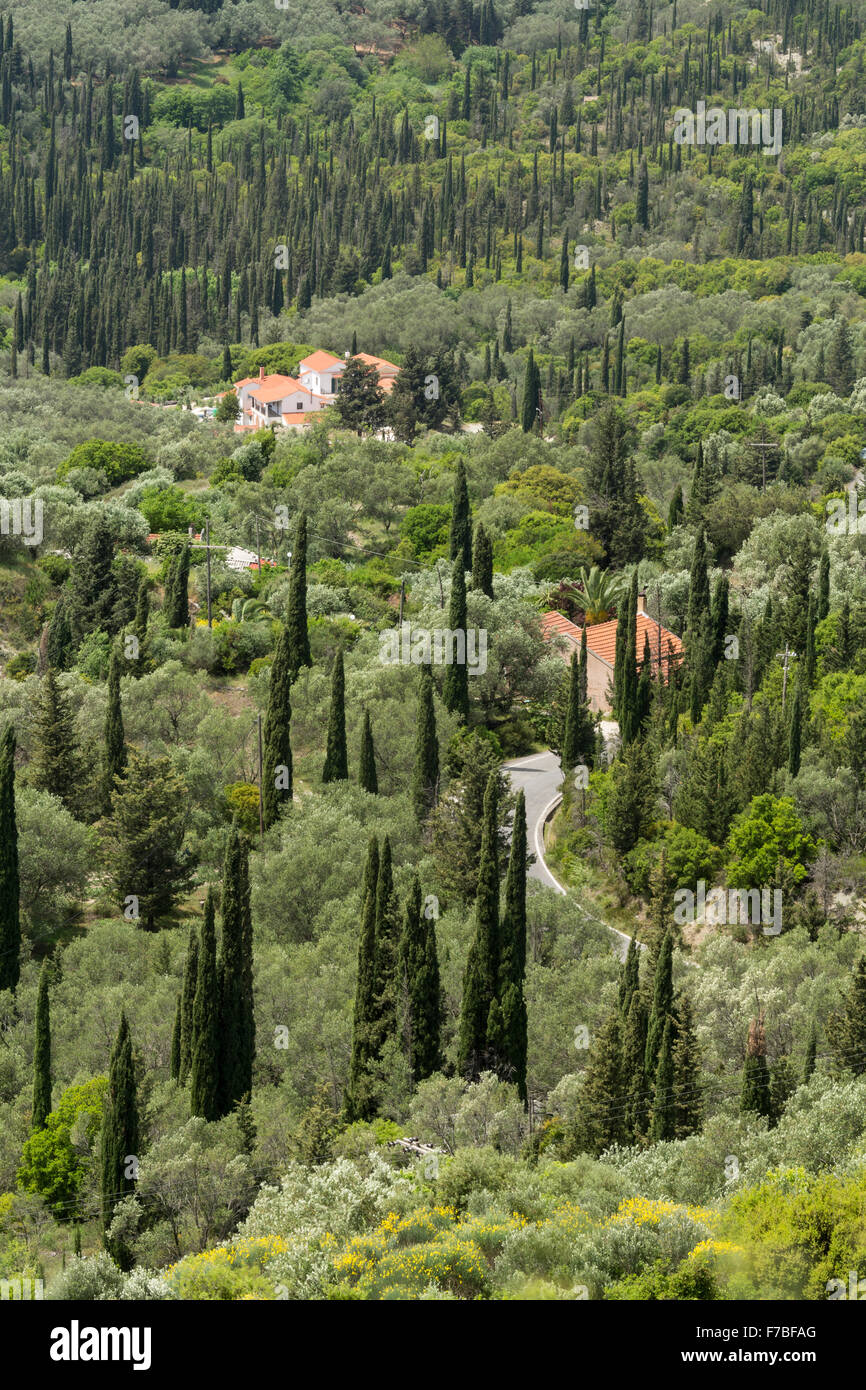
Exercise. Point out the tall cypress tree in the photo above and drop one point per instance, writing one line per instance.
(687, 1097)
(10, 884)
(637, 1095)
(138, 664)
(237, 1023)
(848, 1031)
(482, 562)
(460, 534)
(795, 733)
(823, 586)
(386, 978)
(531, 395)
(811, 1055)
(187, 1007)
(663, 1120)
(601, 1117)
(699, 585)
(177, 601)
(360, 1101)
(296, 609)
(425, 777)
(120, 1137)
(512, 956)
(204, 1078)
(277, 750)
(755, 1094)
(662, 1002)
(115, 745)
(480, 975)
(336, 767)
(174, 1054)
(56, 766)
(367, 777)
(630, 978)
(455, 686)
(419, 992)
(42, 1052)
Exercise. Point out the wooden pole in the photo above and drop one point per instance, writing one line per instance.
(207, 553)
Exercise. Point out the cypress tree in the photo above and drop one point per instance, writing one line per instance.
(236, 1024)
(174, 1055)
(602, 1107)
(755, 1094)
(425, 778)
(367, 767)
(120, 1137)
(115, 746)
(811, 1055)
(455, 686)
(386, 977)
(662, 1001)
(59, 646)
(296, 609)
(687, 1098)
(662, 1122)
(848, 1031)
(277, 749)
(359, 1101)
(419, 978)
(699, 585)
(336, 767)
(809, 657)
(531, 391)
(578, 741)
(139, 627)
(630, 978)
(482, 562)
(10, 886)
(42, 1052)
(460, 534)
(480, 975)
(204, 1071)
(187, 1008)
(676, 509)
(633, 1033)
(795, 733)
(55, 766)
(823, 586)
(512, 957)
(177, 600)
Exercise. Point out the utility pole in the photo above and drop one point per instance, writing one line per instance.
(261, 795)
(258, 546)
(763, 444)
(207, 552)
(786, 656)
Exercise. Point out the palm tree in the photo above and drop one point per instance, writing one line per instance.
(249, 610)
(601, 593)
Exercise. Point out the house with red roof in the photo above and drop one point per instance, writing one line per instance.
(666, 649)
(277, 399)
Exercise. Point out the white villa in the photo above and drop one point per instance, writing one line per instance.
(288, 401)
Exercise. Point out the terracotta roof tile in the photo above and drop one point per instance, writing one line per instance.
(601, 637)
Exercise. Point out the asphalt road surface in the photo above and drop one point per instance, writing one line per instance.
(541, 778)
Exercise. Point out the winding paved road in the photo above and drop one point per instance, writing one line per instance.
(540, 777)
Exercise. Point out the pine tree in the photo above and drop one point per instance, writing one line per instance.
(145, 850)
(755, 1094)
(55, 765)
(662, 1003)
(847, 1034)
(460, 534)
(296, 608)
(425, 777)
(204, 1071)
(480, 975)
(235, 969)
(42, 1052)
(367, 763)
(115, 745)
(455, 686)
(187, 1007)
(419, 979)
(120, 1138)
(840, 363)
(277, 748)
(177, 602)
(482, 562)
(336, 767)
(360, 1100)
(10, 886)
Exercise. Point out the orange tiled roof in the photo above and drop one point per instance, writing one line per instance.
(380, 363)
(276, 389)
(296, 417)
(601, 637)
(321, 361)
